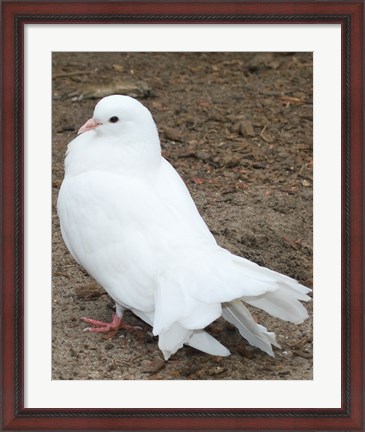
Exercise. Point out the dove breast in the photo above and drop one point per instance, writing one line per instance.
(123, 229)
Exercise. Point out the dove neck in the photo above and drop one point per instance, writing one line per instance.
(129, 157)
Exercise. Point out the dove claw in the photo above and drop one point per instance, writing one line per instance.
(104, 327)
(97, 323)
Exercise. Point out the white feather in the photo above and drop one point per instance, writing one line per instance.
(203, 341)
(257, 335)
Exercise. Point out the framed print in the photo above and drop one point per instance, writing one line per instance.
(259, 108)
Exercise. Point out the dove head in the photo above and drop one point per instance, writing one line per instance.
(120, 136)
(114, 115)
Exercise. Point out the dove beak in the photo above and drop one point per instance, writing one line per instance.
(89, 125)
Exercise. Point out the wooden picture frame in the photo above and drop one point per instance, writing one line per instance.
(14, 16)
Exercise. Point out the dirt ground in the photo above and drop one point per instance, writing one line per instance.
(238, 128)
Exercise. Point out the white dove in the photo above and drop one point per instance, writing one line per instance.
(127, 217)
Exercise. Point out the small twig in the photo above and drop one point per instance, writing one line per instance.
(264, 129)
(305, 176)
(61, 274)
(303, 354)
(262, 134)
(290, 242)
(69, 74)
(292, 99)
(299, 344)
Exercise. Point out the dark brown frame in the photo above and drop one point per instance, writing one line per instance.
(350, 15)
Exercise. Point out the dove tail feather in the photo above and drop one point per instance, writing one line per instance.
(203, 341)
(173, 339)
(283, 303)
(257, 335)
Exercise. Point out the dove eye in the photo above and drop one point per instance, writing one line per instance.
(113, 119)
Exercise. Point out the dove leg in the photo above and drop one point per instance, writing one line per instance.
(105, 327)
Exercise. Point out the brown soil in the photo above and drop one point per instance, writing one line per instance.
(238, 128)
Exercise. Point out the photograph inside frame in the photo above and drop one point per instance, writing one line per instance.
(238, 129)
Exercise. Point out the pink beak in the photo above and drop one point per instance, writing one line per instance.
(89, 125)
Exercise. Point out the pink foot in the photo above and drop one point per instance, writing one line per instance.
(104, 327)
